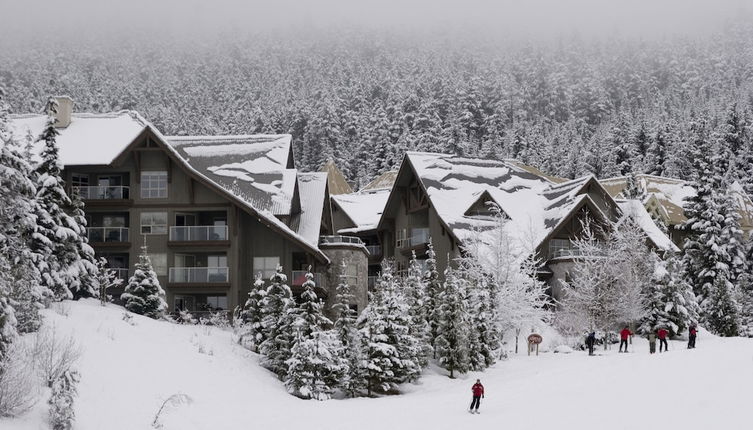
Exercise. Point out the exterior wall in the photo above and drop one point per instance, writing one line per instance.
(247, 236)
(352, 256)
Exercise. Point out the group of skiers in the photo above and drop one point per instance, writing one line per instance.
(661, 333)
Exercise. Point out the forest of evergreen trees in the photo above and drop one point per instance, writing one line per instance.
(570, 107)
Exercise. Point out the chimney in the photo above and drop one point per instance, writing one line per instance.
(64, 111)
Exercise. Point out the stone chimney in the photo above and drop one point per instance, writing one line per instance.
(65, 109)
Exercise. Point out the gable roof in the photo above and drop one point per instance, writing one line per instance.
(385, 181)
(87, 130)
(90, 139)
(257, 165)
(635, 210)
(337, 182)
(669, 193)
(363, 209)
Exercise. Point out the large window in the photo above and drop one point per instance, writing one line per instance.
(79, 180)
(159, 263)
(401, 240)
(560, 248)
(217, 302)
(153, 185)
(154, 223)
(267, 266)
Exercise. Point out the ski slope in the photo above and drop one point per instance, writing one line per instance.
(129, 370)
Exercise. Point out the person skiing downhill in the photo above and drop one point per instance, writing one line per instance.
(478, 394)
(624, 335)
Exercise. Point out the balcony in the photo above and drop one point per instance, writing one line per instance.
(565, 253)
(116, 235)
(198, 233)
(338, 240)
(103, 192)
(198, 275)
(374, 250)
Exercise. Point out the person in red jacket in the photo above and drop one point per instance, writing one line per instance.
(478, 394)
(624, 335)
(692, 333)
(662, 335)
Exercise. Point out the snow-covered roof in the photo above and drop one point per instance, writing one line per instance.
(313, 192)
(255, 164)
(363, 208)
(668, 193)
(337, 182)
(90, 139)
(635, 210)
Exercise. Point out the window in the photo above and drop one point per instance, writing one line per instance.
(154, 223)
(559, 248)
(217, 302)
(153, 185)
(79, 180)
(401, 240)
(266, 265)
(159, 263)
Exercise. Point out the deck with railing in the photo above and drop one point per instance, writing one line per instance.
(198, 275)
(198, 233)
(107, 234)
(100, 192)
(374, 250)
(299, 277)
(338, 240)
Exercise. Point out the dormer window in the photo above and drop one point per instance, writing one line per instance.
(153, 185)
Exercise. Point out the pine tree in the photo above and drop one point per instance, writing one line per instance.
(85, 284)
(721, 308)
(670, 301)
(314, 366)
(745, 298)
(277, 318)
(453, 329)
(252, 329)
(61, 400)
(143, 294)
(351, 342)
(415, 290)
(433, 291)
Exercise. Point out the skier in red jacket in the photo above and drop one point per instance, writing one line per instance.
(478, 394)
(662, 335)
(624, 335)
(693, 332)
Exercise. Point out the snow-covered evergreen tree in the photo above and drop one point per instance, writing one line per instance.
(454, 325)
(143, 294)
(390, 350)
(433, 290)
(314, 366)
(85, 284)
(722, 312)
(251, 332)
(353, 381)
(63, 394)
(277, 308)
(670, 301)
(415, 290)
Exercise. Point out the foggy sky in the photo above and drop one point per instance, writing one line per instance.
(523, 18)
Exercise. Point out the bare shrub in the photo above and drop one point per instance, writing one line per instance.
(19, 387)
(53, 354)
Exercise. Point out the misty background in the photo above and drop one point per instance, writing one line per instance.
(573, 87)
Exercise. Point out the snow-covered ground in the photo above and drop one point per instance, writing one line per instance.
(129, 370)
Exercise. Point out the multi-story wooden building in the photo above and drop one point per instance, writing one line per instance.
(214, 211)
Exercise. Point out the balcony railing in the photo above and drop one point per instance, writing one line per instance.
(186, 275)
(107, 234)
(324, 240)
(573, 252)
(419, 236)
(198, 233)
(299, 277)
(102, 192)
(374, 250)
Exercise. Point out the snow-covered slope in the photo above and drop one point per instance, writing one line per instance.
(129, 370)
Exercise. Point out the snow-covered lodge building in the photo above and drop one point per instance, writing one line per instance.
(214, 211)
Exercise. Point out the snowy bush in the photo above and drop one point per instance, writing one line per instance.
(186, 317)
(144, 295)
(53, 354)
(18, 382)
(63, 394)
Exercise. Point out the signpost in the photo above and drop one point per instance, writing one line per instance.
(533, 342)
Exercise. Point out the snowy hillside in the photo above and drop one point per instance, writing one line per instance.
(129, 370)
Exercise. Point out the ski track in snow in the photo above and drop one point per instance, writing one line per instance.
(128, 371)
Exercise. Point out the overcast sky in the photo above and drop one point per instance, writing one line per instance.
(545, 18)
